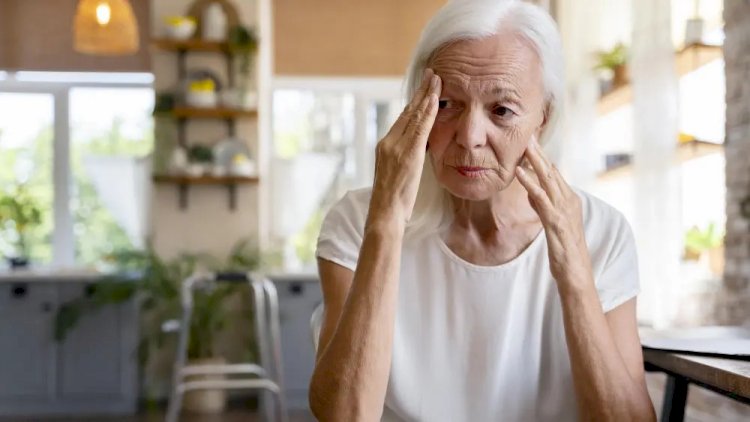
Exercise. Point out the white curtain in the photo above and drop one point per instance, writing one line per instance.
(580, 34)
(658, 205)
(123, 185)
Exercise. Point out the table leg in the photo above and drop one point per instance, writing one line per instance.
(675, 398)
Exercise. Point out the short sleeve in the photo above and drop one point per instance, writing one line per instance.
(619, 278)
(342, 230)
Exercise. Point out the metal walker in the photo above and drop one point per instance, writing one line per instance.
(265, 375)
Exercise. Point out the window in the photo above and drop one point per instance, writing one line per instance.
(108, 140)
(77, 143)
(26, 149)
(324, 137)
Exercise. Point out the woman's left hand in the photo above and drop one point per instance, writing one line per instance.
(559, 208)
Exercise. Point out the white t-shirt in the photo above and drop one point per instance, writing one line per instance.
(484, 343)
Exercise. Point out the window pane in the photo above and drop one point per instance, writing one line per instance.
(111, 133)
(26, 150)
(313, 134)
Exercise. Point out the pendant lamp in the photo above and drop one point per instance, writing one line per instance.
(105, 27)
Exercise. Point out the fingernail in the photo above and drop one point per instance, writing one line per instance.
(520, 170)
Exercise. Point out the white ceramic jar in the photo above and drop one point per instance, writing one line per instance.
(214, 23)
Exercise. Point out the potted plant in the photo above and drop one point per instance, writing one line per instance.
(155, 283)
(201, 159)
(19, 214)
(614, 61)
(243, 44)
(709, 241)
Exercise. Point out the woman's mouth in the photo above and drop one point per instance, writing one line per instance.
(471, 172)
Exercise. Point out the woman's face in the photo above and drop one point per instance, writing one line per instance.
(492, 103)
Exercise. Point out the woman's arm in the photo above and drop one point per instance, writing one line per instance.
(354, 355)
(605, 354)
(606, 359)
(354, 358)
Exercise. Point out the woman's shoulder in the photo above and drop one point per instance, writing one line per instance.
(612, 248)
(353, 205)
(343, 228)
(598, 215)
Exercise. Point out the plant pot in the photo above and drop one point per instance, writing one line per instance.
(621, 76)
(691, 255)
(716, 260)
(18, 262)
(205, 401)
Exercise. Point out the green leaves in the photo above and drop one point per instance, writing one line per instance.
(242, 40)
(155, 283)
(610, 59)
(698, 241)
(19, 213)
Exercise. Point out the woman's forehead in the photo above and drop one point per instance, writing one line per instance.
(493, 64)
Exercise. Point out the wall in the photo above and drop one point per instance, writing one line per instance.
(734, 303)
(38, 35)
(347, 37)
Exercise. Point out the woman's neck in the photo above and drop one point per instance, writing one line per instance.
(506, 209)
(494, 231)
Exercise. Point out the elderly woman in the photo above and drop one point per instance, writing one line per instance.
(471, 282)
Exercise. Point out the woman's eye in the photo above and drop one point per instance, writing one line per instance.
(502, 111)
(442, 104)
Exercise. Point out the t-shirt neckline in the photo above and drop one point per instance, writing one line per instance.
(528, 251)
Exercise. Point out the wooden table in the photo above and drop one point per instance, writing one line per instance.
(729, 377)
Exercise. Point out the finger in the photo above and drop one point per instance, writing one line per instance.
(557, 177)
(423, 90)
(539, 198)
(422, 120)
(544, 171)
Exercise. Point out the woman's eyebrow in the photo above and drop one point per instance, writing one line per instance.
(509, 94)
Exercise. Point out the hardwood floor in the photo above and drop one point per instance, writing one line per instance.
(703, 406)
(229, 416)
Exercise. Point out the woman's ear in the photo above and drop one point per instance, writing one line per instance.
(546, 115)
(545, 119)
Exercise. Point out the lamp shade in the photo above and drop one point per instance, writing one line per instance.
(105, 27)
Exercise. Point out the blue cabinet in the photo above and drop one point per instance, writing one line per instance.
(93, 371)
(298, 297)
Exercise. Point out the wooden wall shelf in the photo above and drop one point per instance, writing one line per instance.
(193, 44)
(685, 151)
(687, 60)
(212, 113)
(184, 182)
(184, 114)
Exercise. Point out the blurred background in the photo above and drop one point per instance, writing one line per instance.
(144, 140)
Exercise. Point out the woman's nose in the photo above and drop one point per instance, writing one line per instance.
(470, 132)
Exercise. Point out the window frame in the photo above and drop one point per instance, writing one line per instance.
(56, 85)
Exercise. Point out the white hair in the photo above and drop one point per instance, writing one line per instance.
(475, 19)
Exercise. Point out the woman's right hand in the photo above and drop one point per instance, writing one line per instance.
(401, 153)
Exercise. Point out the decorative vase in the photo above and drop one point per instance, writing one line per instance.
(214, 23)
(205, 401)
(178, 161)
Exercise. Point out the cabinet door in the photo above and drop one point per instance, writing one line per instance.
(26, 343)
(297, 301)
(98, 357)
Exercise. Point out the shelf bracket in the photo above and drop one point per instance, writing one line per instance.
(182, 192)
(232, 196)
